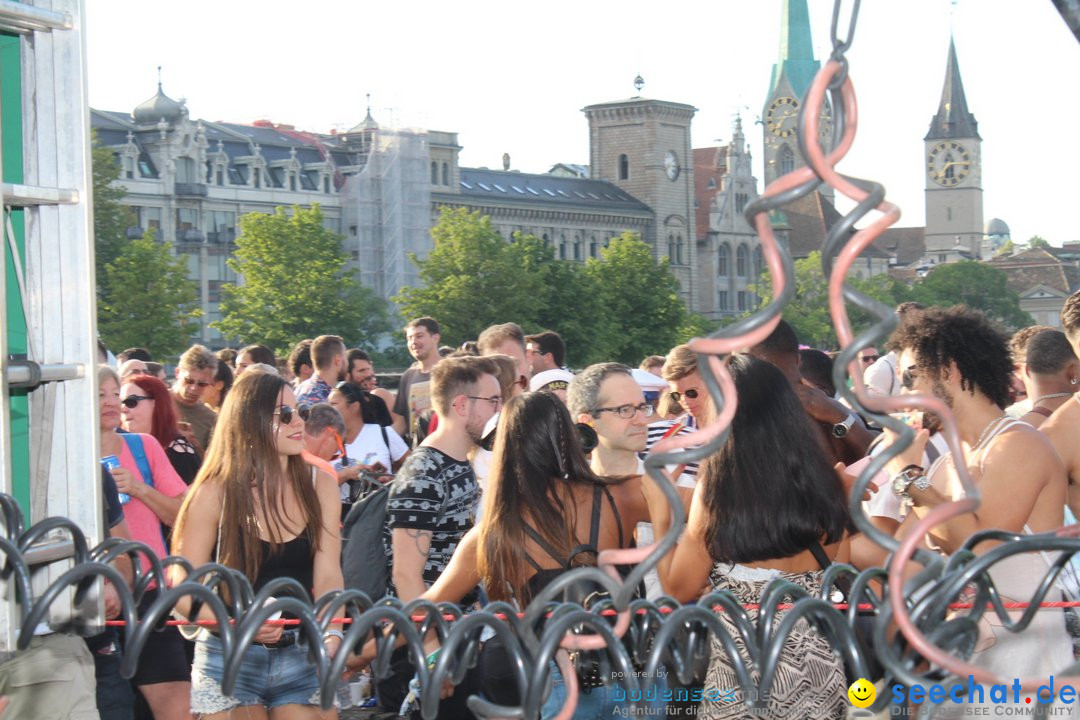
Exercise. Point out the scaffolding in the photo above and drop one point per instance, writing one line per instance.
(389, 205)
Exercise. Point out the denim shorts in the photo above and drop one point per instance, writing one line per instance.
(270, 677)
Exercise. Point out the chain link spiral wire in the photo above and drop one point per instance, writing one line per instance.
(643, 636)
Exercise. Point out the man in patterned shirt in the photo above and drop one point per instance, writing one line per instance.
(328, 352)
(434, 496)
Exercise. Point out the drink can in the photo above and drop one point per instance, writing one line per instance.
(111, 462)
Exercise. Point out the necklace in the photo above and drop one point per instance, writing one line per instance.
(1051, 396)
(993, 423)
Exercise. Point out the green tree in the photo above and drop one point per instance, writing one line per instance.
(111, 218)
(147, 299)
(474, 278)
(808, 311)
(295, 284)
(1037, 242)
(636, 302)
(976, 285)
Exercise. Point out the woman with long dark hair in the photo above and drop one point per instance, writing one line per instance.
(767, 505)
(146, 407)
(264, 511)
(545, 512)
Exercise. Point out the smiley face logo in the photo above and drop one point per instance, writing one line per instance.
(862, 693)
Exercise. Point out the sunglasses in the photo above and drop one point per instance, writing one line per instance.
(286, 413)
(677, 396)
(907, 378)
(193, 381)
(870, 358)
(131, 401)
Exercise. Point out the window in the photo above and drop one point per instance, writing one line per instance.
(742, 300)
(723, 261)
(679, 250)
(238, 175)
(150, 219)
(434, 173)
(546, 239)
(671, 247)
(292, 182)
(758, 262)
(257, 172)
(219, 176)
(326, 184)
(711, 184)
(220, 226)
(577, 247)
(740, 202)
(592, 247)
(445, 174)
(562, 247)
(185, 170)
(741, 262)
(186, 219)
(787, 160)
(624, 167)
(723, 301)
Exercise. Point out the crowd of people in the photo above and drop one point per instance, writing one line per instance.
(498, 469)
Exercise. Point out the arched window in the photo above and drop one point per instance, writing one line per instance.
(671, 247)
(741, 261)
(562, 247)
(723, 261)
(592, 246)
(758, 261)
(577, 247)
(679, 250)
(546, 239)
(624, 167)
(434, 173)
(787, 160)
(445, 174)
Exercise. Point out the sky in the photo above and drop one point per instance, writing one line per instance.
(513, 77)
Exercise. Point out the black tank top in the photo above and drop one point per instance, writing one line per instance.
(545, 576)
(293, 559)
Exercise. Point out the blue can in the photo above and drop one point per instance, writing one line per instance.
(111, 462)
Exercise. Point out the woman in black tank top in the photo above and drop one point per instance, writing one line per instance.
(545, 512)
(257, 506)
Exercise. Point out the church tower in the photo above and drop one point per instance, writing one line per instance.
(791, 77)
(954, 209)
(643, 147)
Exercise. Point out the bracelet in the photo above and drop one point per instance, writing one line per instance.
(333, 633)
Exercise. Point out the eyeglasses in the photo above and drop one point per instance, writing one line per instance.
(908, 377)
(193, 381)
(495, 400)
(677, 396)
(627, 412)
(131, 401)
(870, 358)
(286, 413)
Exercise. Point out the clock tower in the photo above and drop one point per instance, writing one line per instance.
(791, 78)
(643, 147)
(953, 164)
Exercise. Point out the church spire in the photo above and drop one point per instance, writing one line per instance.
(796, 59)
(953, 119)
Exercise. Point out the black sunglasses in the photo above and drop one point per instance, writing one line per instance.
(907, 378)
(677, 396)
(133, 400)
(286, 413)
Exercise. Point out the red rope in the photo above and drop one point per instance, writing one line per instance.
(612, 613)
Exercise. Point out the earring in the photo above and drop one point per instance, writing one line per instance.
(1074, 381)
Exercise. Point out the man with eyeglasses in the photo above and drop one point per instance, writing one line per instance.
(194, 374)
(606, 397)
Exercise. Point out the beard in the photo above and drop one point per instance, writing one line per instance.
(938, 390)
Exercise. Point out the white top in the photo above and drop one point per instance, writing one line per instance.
(880, 377)
(368, 448)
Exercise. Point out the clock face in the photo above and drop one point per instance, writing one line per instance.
(948, 163)
(671, 165)
(782, 117)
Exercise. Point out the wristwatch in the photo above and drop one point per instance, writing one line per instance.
(840, 429)
(911, 475)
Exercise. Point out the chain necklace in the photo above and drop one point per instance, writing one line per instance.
(996, 422)
(1051, 396)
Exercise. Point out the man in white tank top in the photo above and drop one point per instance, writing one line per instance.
(960, 357)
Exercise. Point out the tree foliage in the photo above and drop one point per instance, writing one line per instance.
(808, 311)
(1037, 242)
(976, 285)
(111, 218)
(295, 284)
(620, 306)
(147, 300)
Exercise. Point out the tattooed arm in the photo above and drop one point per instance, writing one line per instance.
(411, 548)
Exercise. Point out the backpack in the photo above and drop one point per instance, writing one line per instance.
(365, 563)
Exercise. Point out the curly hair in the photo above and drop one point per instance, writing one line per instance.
(1070, 317)
(966, 337)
